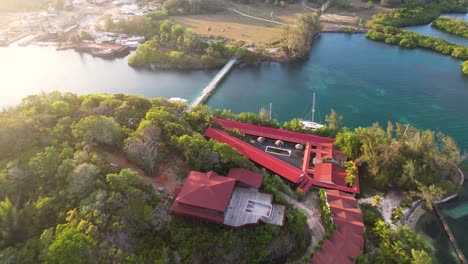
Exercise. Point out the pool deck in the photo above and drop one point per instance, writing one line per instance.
(237, 216)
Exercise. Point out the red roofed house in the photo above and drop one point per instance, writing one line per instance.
(233, 200)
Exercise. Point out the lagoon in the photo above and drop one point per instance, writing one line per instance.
(365, 81)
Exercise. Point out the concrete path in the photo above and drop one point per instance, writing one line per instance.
(310, 207)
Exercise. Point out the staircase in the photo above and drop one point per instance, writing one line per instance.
(305, 184)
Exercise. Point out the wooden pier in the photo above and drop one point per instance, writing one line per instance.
(212, 85)
(450, 236)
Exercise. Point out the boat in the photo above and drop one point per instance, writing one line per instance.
(311, 124)
(131, 44)
(139, 39)
(105, 39)
(177, 100)
(107, 53)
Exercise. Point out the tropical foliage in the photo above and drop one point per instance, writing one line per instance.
(408, 39)
(402, 156)
(298, 37)
(454, 26)
(174, 46)
(386, 27)
(72, 173)
(402, 245)
(464, 66)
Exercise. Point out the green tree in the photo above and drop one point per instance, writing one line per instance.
(144, 145)
(100, 129)
(350, 142)
(199, 118)
(229, 157)
(125, 179)
(82, 181)
(420, 257)
(334, 122)
(264, 114)
(450, 150)
(293, 125)
(199, 153)
(61, 108)
(298, 37)
(11, 224)
(464, 66)
(71, 246)
(429, 194)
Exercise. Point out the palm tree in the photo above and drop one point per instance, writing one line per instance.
(430, 194)
(376, 201)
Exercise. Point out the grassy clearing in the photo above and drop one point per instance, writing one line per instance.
(232, 26)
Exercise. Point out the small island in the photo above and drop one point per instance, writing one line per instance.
(88, 178)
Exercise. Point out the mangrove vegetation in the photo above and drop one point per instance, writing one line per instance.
(453, 26)
(386, 27)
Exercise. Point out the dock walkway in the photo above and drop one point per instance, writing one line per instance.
(212, 85)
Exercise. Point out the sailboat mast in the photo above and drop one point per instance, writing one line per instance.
(270, 111)
(313, 108)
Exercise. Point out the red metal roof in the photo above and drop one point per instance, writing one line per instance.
(272, 163)
(323, 173)
(275, 133)
(347, 241)
(207, 195)
(326, 176)
(246, 176)
(207, 191)
(206, 215)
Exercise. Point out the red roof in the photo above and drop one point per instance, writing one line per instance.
(275, 133)
(207, 195)
(207, 191)
(329, 172)
(347, 241)
(274, 164)
(323, 173)
(328, 177)
(246, 176)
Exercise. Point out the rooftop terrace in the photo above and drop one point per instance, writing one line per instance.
(249, 206)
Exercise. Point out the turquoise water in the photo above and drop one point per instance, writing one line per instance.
(431, 229)
(363, 80)
(456, 212)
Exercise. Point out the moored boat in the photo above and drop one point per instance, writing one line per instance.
(311, 124)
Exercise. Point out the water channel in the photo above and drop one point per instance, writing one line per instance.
(363, 80)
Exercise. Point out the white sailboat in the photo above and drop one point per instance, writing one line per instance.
(310, 124)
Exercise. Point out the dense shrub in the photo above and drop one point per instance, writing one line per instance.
(465, 67)
(407, 39)
(454, 26)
